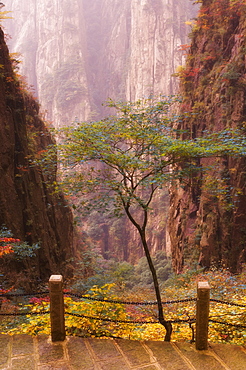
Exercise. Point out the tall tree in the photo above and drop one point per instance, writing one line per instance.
(121, 161)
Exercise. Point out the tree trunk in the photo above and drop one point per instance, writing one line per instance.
(167, 325)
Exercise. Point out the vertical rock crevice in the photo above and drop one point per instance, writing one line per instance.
(28, 206)
(89, 51)
(211, 224)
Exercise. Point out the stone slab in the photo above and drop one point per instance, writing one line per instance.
(49, 351)
(22, 345)
(149, 367)
(79, 355)
(166, 356)
(4, 350)
(134, 352)
(54, 367)
(199, 359)
(103, 348)
(24, 363)
(233, 356)
(112, 364)
(23, 352)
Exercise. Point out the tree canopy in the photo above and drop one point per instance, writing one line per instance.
(128, 156)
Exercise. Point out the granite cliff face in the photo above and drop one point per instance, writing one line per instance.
(78, 53)
(28, 207)
(207, 223)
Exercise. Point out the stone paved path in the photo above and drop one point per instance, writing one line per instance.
(23, 352)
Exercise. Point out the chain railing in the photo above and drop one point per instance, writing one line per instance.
(56, 296)
(127, 302)
(68, 294)
(15, 295)
(11, 296)
(227, 303)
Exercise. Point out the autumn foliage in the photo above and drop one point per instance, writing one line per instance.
(88, 317)
(223, 10)
(6, 245)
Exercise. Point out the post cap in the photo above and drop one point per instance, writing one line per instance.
(203, 285)
(56, 278)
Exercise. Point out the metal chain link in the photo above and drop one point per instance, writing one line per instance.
(228, 324)
(110, 320)
(25, 313)
(10, 295)
(128, 321)
(227, 303)
(190, 321)
(127, 302)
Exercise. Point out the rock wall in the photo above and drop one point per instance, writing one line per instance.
(78, 53)
(28, 207)
(158, 29)
(207, 222)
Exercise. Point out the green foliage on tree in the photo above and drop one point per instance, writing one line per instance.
(124, 275)
(120, 162)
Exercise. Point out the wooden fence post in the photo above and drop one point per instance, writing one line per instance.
(202, 315)
(57, 319)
